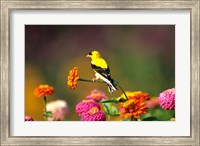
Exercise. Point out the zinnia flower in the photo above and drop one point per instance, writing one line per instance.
(96, 95)
(172, 119)
(73, 78)
(28, 118)
(59, 110)
(94, 114)
(85, 106)
(135, 105)
(167, 99)
(43, 90)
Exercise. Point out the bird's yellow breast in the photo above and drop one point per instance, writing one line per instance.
(100, 62)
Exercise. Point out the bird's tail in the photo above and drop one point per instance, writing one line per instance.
(111, 87)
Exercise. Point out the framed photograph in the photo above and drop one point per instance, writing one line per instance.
(100, 72)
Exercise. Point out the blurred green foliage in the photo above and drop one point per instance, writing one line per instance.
(140, 57)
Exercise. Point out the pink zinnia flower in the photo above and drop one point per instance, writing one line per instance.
(59, 110)
(28, 118)
(86, 105)
(94, 114)
(167, 99)
(96, 95)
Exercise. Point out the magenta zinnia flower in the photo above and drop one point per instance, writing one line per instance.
(96, 95)
(28, 118)
(167, 99)
(85, 106)
(94, 114)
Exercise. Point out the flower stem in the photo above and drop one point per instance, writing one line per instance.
(86, 80)
(122, 91)
(133, 119)
(45, 107)
(99, 81)
(108, 117)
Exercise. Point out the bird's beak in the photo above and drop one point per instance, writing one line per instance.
(88, 55)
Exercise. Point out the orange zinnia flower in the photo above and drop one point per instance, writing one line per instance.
(135, 105)
(43, 90)
(73, 78)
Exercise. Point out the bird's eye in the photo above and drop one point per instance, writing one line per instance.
(90, 53)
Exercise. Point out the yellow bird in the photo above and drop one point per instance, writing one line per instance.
(101, 69)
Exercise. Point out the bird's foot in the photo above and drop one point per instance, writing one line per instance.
(94, 79)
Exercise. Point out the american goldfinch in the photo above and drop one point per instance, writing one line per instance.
(101, 69)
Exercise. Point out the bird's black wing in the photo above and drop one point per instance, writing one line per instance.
(105, 72)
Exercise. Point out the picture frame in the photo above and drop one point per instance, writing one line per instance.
(8, 6)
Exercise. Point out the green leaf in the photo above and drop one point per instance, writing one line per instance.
(163, 115)
(151, 119)
(115, 114)
(110, 109)
(48, 114)
(113, 109)
(106, 108)
(114, 100)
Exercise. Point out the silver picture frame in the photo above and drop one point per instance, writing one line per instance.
(7, 6)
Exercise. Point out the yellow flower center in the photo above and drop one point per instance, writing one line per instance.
(93, 110)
